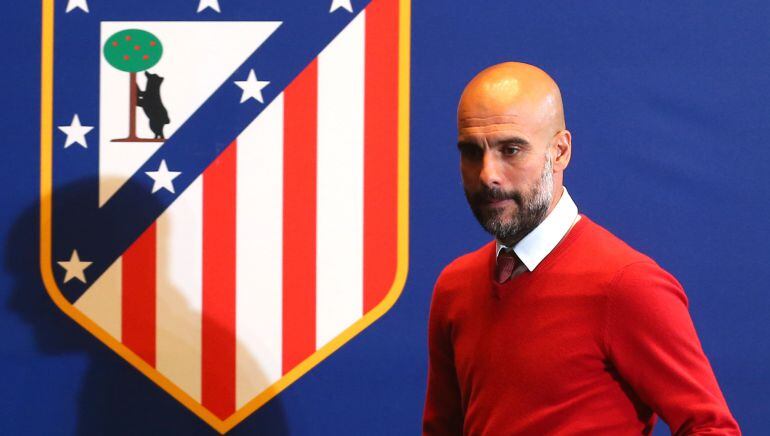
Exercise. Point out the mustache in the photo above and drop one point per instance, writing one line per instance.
(487, 194)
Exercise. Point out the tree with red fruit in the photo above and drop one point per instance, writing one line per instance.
(133, 51)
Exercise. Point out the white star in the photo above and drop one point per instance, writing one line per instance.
(213, 4)
(74, 267)
(252, 88)
(81, 4)
(344, 4)
(163, 178)
(76, 133)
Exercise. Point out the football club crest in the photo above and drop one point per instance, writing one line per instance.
(224, 184)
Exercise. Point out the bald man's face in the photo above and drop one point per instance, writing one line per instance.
(506, 173)
(513, 147)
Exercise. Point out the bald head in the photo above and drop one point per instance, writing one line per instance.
(514, 148)
(511, 91)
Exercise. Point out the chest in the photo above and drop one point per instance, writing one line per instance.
(534, 340)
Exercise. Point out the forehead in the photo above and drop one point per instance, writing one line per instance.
(482, 116)
(496, 128)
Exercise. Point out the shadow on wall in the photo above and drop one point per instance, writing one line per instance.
(115, 398)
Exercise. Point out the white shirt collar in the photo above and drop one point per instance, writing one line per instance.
(534, 247)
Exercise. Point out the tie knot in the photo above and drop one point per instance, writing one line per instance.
(506, 264)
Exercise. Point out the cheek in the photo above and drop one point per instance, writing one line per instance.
(524, 177)
(469, 174)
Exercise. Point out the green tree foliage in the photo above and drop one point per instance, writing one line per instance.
(133, 50)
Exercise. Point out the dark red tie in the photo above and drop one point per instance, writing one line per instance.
(506, 264)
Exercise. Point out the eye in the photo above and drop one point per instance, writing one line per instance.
(470, 151)
(509, 150)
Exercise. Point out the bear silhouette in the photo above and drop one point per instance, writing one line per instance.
(150, 101)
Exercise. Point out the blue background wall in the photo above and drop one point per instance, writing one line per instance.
(667, 105)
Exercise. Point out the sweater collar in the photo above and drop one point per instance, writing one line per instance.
(538, 243)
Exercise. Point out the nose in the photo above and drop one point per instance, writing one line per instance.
(490, 170)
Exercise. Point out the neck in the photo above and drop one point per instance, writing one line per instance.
(558, 191)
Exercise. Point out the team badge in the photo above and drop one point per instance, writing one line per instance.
(224, 184)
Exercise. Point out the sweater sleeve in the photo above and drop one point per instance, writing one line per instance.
(652, 343)
(443, 414)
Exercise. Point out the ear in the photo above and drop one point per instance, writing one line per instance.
(561, 150)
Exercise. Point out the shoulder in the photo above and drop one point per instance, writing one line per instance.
(608, 247)
(627, 273)
(467, 267)
(469, 272)
(645, 284)
(630, 268)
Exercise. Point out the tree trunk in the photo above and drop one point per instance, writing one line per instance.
(132, 107)
(132, 115)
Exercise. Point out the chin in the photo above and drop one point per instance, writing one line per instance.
(501, 214)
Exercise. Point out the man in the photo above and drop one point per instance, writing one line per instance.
(557, 327)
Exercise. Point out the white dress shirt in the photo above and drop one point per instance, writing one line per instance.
(534, 247)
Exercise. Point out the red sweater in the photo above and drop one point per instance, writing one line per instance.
(596, 341)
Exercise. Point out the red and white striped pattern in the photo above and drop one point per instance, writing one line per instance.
(286, 240)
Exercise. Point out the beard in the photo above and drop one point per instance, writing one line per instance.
(510, 228)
